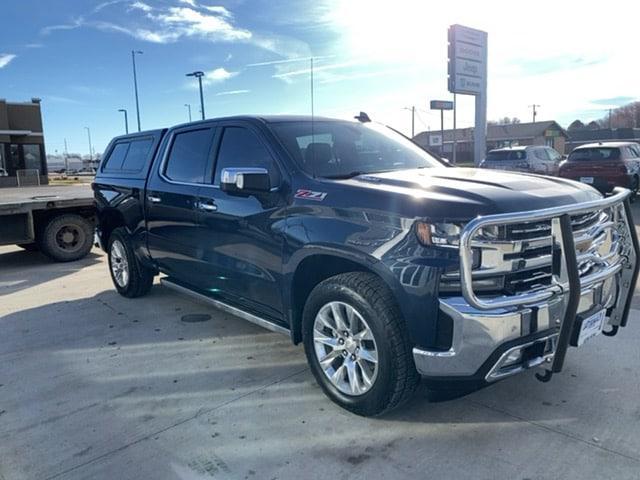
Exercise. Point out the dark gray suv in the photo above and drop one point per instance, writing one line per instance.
(531, 159)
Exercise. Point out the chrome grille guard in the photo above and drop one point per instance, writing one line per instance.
(566, 278)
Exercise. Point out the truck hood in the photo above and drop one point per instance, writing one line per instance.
(464, 193)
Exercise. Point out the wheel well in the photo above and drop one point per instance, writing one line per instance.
(42, 217)
(109, 221)
(309, 273)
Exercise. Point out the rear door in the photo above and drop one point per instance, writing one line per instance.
(243, 249)
(171, 197)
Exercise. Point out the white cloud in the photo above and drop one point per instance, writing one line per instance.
(6, 58)
(185, 21)
(218, 75)
(141, 6)
(232, 92)
(218, 10)
(191, 3)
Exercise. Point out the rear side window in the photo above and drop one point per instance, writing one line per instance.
(241, 148)
(586, 154)
(118, 154)
(501, 155)
(189, 156)
(129, 156)
(137, 155)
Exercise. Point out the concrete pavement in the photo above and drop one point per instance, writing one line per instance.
(96, 386)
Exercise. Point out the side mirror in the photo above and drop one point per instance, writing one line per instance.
(245, 180)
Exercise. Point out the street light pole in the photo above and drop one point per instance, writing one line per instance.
(413, 120)
(126, 120)
(90, 147)
(188, 105)
(135, 83)
(199, 76)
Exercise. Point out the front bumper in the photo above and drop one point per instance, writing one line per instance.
(486, 332)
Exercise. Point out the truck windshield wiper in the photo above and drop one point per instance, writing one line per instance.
(344, 176)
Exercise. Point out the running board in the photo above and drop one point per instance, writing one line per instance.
(261, 322)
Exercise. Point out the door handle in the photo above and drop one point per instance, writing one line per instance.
(207, 206)
(154, 199)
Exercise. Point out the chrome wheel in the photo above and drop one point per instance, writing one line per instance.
(119, 264)
(345, 348)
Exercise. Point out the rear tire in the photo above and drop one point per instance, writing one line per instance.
(66, 238)
(129, 276)
(364, 308)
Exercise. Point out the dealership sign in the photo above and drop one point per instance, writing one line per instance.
(467, 60)
(441, 105)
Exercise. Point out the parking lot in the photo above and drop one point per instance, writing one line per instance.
(93, 385)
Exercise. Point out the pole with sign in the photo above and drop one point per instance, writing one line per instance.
(441, 105)
(468, 76)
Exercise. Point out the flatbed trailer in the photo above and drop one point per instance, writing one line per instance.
(58, 220)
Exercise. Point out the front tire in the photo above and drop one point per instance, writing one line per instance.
(357, 345)
(130, 278)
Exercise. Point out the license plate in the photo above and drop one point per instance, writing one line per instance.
(591, 327)
(586, 180)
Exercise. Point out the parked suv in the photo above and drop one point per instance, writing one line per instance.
(384, 262)
(605, 165)
(529, 159)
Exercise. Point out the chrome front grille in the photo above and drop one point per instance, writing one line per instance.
(521, 257)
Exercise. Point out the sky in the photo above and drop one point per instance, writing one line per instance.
(574, 59)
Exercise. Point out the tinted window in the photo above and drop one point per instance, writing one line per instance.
(137, 154)
(241, 148)
(500, 155)
(189, 156)
(32, 157)
(604, 153)
(118, 154)
(541, 154)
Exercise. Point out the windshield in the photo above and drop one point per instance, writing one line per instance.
(500, 155)
(338, 149)
(595, 154)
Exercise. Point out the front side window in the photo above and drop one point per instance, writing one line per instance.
(340, 149)
(541, 154)
(241, 148)
(189, 156)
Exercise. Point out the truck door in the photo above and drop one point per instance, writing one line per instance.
(243, 247)
(171, 198)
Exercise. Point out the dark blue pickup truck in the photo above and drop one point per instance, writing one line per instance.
(387, 263)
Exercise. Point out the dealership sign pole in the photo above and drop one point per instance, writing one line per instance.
(441, 105)
(468, 76)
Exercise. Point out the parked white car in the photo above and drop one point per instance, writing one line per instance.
(531, 159)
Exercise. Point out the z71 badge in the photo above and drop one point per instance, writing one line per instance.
(310, 195)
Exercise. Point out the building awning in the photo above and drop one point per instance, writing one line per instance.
(16, 133)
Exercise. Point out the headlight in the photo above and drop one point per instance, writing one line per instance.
(439, 234)
(448, 234)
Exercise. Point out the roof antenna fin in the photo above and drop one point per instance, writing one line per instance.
(362, 117)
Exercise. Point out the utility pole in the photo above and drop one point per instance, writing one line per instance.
(126, 120)
(535, 112)
(135, 82)
(413, 119)
(188, 105)
(199, 76)
(90, 147)
(66, 157)
(610, 112)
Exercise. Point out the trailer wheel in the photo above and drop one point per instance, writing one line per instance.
(66, 238)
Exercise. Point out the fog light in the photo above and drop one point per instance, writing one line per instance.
(514, 357)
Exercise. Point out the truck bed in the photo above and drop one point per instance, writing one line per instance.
(28, 199)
